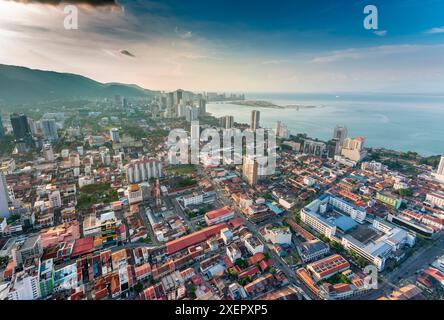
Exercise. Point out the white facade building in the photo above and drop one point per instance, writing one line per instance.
(143, 170)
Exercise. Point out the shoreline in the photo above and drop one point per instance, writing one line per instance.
(266, 104)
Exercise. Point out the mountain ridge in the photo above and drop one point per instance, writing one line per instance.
(23, 85)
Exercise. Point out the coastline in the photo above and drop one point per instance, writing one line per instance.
(266, 104)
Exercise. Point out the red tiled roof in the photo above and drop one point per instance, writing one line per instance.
(193, 238)
(219, 213)
(435, 274)
(342, 287)
(227, 261)
(82, 246)
(235, 222)
(328, 266)
(249, 272)
(256, 258)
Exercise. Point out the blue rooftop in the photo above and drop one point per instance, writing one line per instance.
(275, 209)
(345, 223)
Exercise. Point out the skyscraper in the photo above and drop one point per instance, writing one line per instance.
(191, 113)
(179, 96)
(229, 122)
(340, 133)
(440, 169)
(250, 170)
(114, 134)
(2, 129)
(226, 122)
(202, 107)
(353, 149)
(49, 129)
(48, 153)
(4, 197)
(124, 103)
(282, 130)
(255, 118)
(20, 126)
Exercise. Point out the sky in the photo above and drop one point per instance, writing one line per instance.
(237, 46)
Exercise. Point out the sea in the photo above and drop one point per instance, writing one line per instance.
(394, 121)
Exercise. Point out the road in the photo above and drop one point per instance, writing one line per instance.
(408, 269)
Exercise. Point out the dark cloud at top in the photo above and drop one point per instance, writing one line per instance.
(94, 3)
(127, 53)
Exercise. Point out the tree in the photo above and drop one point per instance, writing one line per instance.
(241, 263)
(138, 287)
(404, 192)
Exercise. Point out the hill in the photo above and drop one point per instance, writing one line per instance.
(24, 85)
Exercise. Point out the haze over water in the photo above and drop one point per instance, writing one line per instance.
(398, 122)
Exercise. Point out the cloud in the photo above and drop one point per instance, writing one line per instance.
(274, 61)
(381, 33)
(93, 3)
(183, 34)
(435, 30)
(127, 53)
(369, 52)
(338, 55)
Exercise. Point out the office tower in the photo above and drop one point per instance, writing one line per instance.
(35, 127)
(340, 133)
(48, 154)
(282, 130)
(250, 170)
(226, 122)
(124, 103)
(440, 169)
(179, 96)
(255, 118)
(118, 100)
(163, 103)
(2, 129)
(202, 107)
(181, 109)
(229, 122)
(4, 197)
(22, 131)
(170, 100)
(353, 149)
(191, 113)
(49, 128)
(114, 135)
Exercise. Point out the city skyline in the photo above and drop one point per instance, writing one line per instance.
(250, 47)
(196, 151)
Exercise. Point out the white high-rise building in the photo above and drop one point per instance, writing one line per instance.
(114, 135)
(255, 119)
(25, 286)
(440, 170)
(48, 154)
(250, 170)
(439, 175)
(55, 199)
(353, 149)
(281, 130)
(192, 113)
(143, 170)
(4, 197)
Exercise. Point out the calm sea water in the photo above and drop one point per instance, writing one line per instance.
(399, 122)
